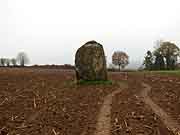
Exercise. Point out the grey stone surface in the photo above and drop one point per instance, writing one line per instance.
(90, 62)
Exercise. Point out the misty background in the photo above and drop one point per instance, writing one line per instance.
(50, 31)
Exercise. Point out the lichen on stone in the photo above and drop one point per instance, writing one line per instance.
(90, 62)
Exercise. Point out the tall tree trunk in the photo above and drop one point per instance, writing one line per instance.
(119, 67)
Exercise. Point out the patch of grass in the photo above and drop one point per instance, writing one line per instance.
(96, 82)
(69, 84)
(168, 72)
(121, 84)
(74, 83)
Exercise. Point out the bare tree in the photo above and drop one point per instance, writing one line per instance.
(14, 62)
(120, 59)
(7, 61)
(2, 62)
(22, 59)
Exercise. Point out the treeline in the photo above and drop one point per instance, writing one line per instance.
(163, 57)
(65, 66)
(21, 60)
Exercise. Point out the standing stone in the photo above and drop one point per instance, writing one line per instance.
(90, 62)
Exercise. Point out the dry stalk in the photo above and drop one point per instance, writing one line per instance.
(116, 120)
(23, 126)
(117, 129)
(125, 123)
(2, 128)
(35, 103)
(6, 99)
(45, 100)
(146, 126)
(55, 133)
(12, 118)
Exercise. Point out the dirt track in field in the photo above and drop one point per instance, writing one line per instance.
(104, 117)
(165, 92)
(167, 120)
(130, 115)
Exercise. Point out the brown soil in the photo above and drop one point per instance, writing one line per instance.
(167, 120)
(103, 126)
(45, 102)
(48, 102)
(166, 93)
(131, 116)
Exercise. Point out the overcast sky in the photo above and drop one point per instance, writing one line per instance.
(50, 31)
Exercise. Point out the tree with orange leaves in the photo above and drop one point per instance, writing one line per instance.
(120, 59)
